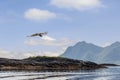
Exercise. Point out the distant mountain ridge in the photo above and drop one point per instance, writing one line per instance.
(90, 52)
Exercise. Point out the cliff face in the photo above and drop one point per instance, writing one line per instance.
(46, 63)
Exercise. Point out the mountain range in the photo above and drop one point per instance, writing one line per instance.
(90, 52)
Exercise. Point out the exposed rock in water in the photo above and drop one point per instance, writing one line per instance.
(108, 64)
(47, 63)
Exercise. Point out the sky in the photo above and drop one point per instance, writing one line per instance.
(66, 21)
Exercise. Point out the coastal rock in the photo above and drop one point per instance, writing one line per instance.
(47, 63)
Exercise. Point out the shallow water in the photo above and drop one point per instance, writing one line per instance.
(112, 73)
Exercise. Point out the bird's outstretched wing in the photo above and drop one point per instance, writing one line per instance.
(38, 34)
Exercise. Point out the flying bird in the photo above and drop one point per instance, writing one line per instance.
(38, 34)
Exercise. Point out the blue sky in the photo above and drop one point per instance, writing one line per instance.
(66, 21)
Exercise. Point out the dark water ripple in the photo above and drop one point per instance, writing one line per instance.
(112, 73)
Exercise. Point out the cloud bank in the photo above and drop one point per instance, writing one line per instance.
(5, 53)
(14, 55)
(49, 41)
(77, 4)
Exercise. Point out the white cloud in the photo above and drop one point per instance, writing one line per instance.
(14, 55)
(38, 14)
(56, 44)
(5, 53)
(77, 4)
(48, 38)
(46, 42)
(30, 54)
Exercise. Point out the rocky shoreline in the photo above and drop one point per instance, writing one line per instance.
(47, 63)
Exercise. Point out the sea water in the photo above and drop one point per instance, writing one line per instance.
(111, 73)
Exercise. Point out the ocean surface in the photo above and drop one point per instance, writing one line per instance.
(111, 73)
